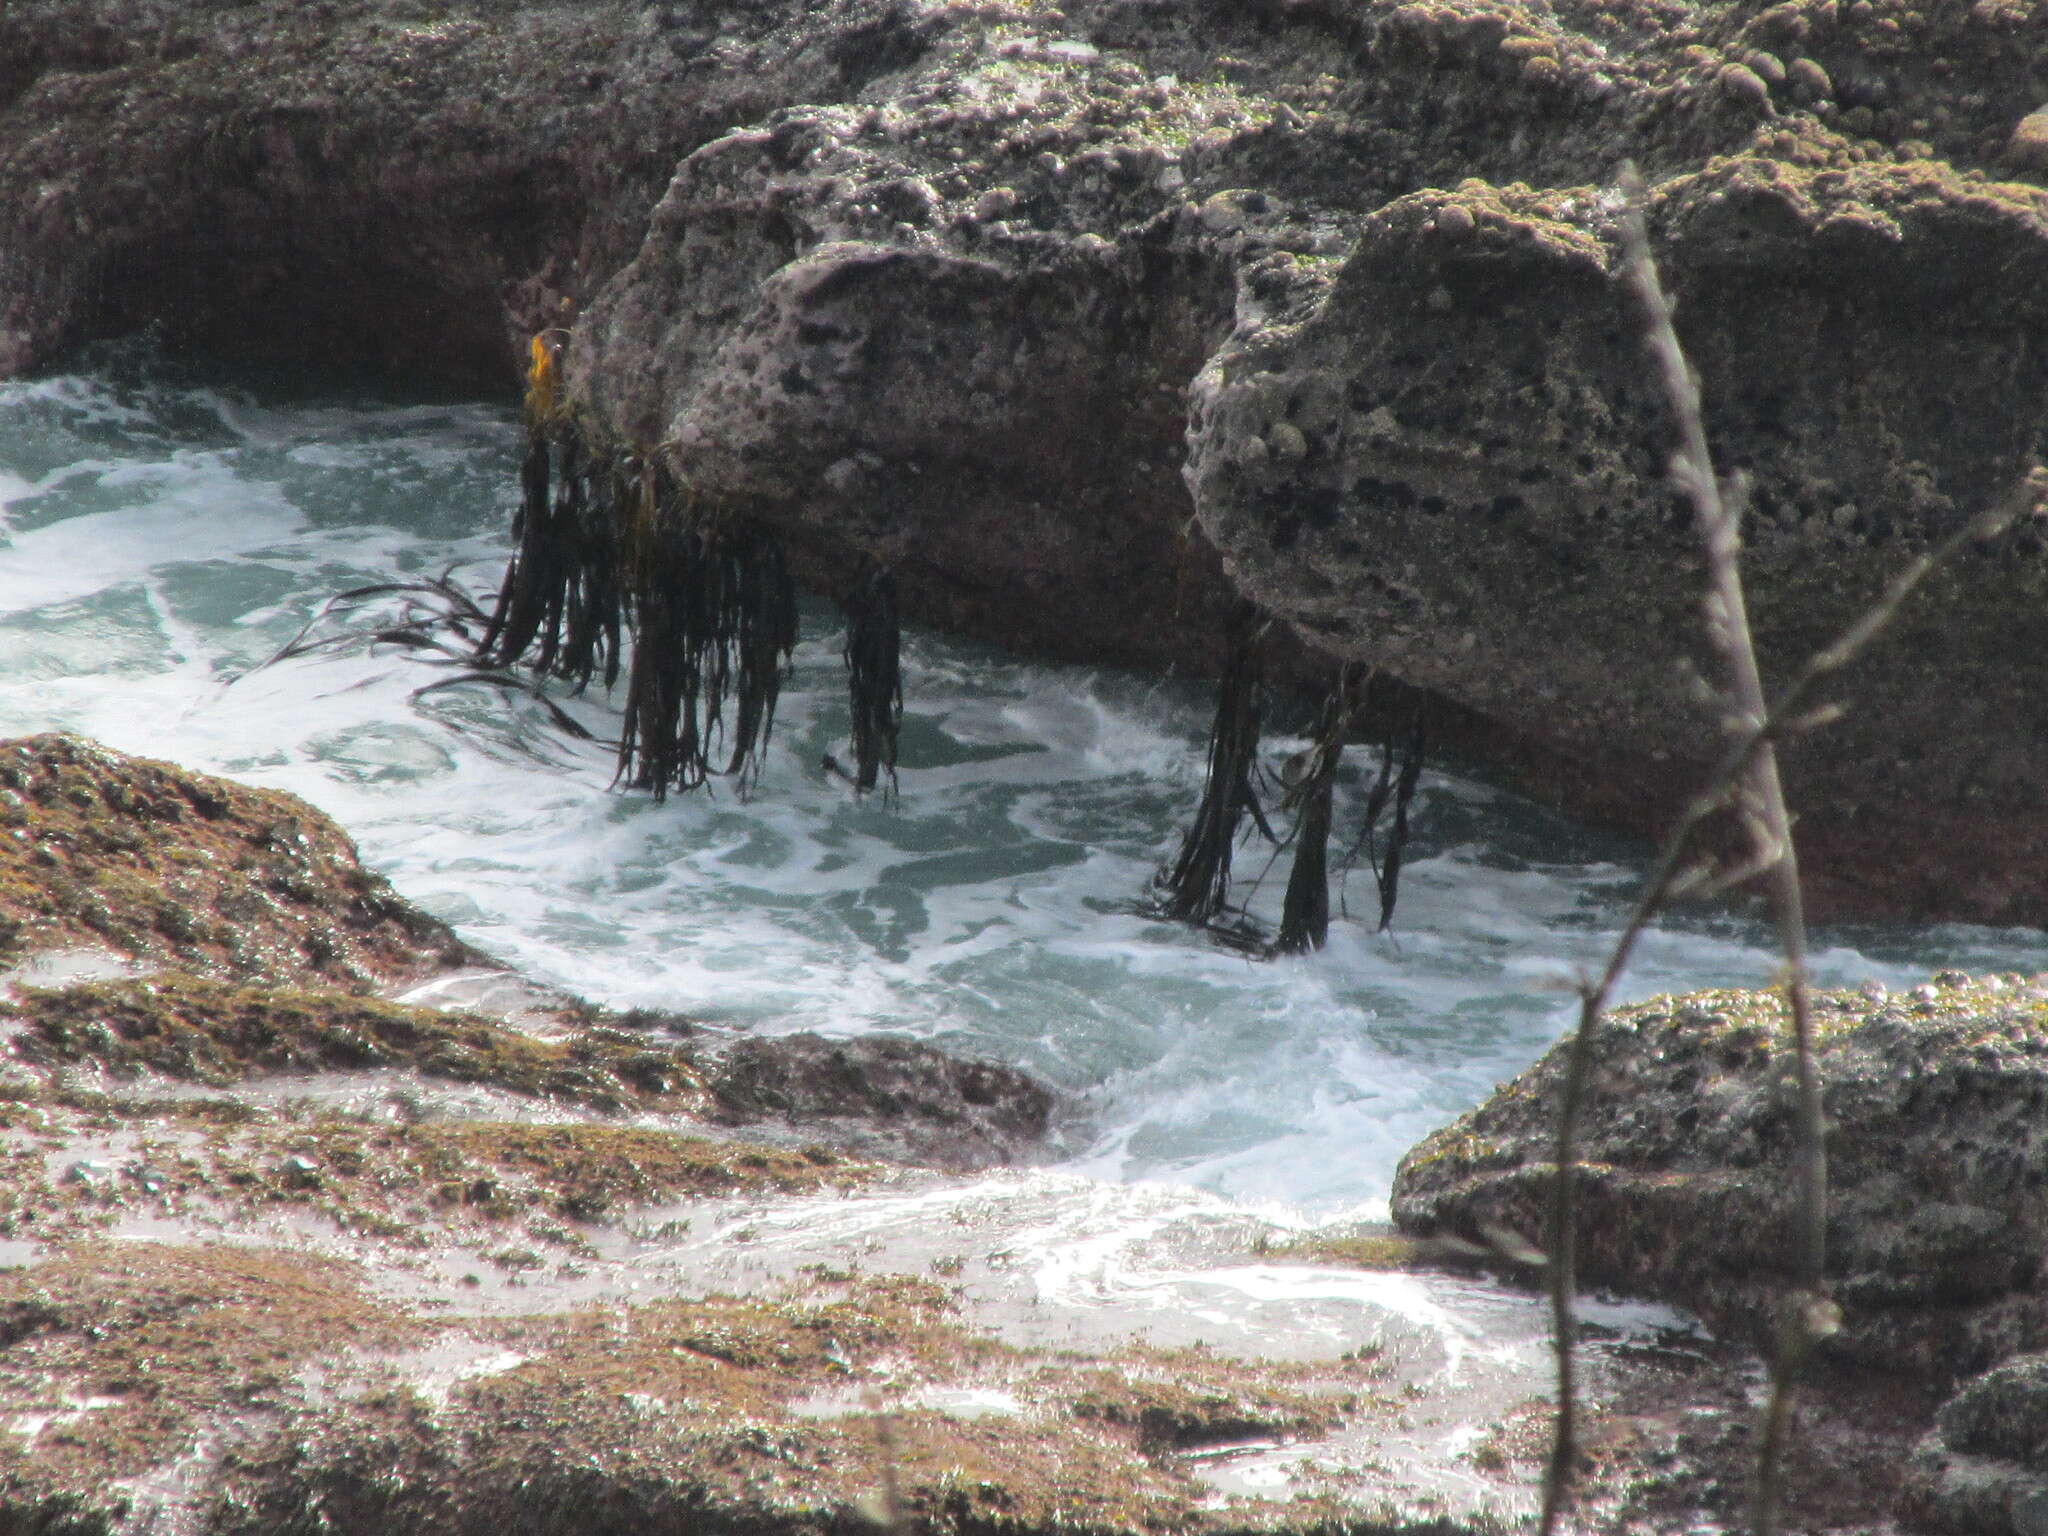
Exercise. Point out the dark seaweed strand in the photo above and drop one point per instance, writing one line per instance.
(874, 676)
(1389, 867)
(1305, 913)
(650, 754)
(766, 640)
(1376, 800)
(715, 618)
(516, 617)
(593, 603)
(1197, 888)
(513, 612)
(564, 526)
(561, 599)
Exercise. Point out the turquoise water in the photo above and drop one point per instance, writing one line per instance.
(162, 532)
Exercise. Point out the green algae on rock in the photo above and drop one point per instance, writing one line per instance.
(173, 867)
(1936, 1159)
(220, 1033)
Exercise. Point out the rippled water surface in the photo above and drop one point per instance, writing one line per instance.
(161, 533)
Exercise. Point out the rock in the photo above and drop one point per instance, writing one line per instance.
(1811, 79)
(887, 1096)
(774, 244)
(1744, 84)
(1983, 1469)
(202, 1011)
(166, 867)
(388, 1267)
(2002, 1414)
(760, 1361)
(394, 1268)
(468, 1319)
(1494, 466)
(2027, 149)
(1938, 1163)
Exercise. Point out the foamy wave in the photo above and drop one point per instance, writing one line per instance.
(162, 538)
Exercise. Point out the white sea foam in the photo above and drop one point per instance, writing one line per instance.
(157, 540)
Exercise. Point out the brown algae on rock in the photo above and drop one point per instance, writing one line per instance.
(237, 1270)
(118, 1356)
(221, 1033)
(180, 868)
(289, 1384)
(623, 1419)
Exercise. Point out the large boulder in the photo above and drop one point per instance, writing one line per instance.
(1089, 320)
(1454, 468)
(355, 182)
(1937, 1155)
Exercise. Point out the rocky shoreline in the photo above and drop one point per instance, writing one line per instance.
(1088, 321)
(280, 1242)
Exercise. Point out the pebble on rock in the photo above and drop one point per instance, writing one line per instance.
(1745, 84)
(1455, 222)
(2027, 150)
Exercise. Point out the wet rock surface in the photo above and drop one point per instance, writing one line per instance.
(889, 1096)
(1984, 1466)
(1086, 319)
(1935, 1162)
(173, 927)
(165, 867)
(274, 1253)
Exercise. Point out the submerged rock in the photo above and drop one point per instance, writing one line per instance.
(1938, 1166)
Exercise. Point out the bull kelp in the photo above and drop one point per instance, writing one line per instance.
(1197, 888)
(612, 539)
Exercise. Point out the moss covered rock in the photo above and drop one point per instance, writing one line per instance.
(1938, 1164)
(169, 867)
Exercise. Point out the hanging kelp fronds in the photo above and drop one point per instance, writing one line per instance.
(874, 678)
(562, 598)
(765, 634)
(1305, 914)
(715, 617)
(606, 536)
(1197, 888)
(1395, 785)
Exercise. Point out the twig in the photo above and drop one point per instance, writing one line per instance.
(1747, 772)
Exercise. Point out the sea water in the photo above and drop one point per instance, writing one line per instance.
(164, 532)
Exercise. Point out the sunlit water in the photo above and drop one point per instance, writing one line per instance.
(160, 534)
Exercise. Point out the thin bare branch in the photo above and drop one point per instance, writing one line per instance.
(1745, 776)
